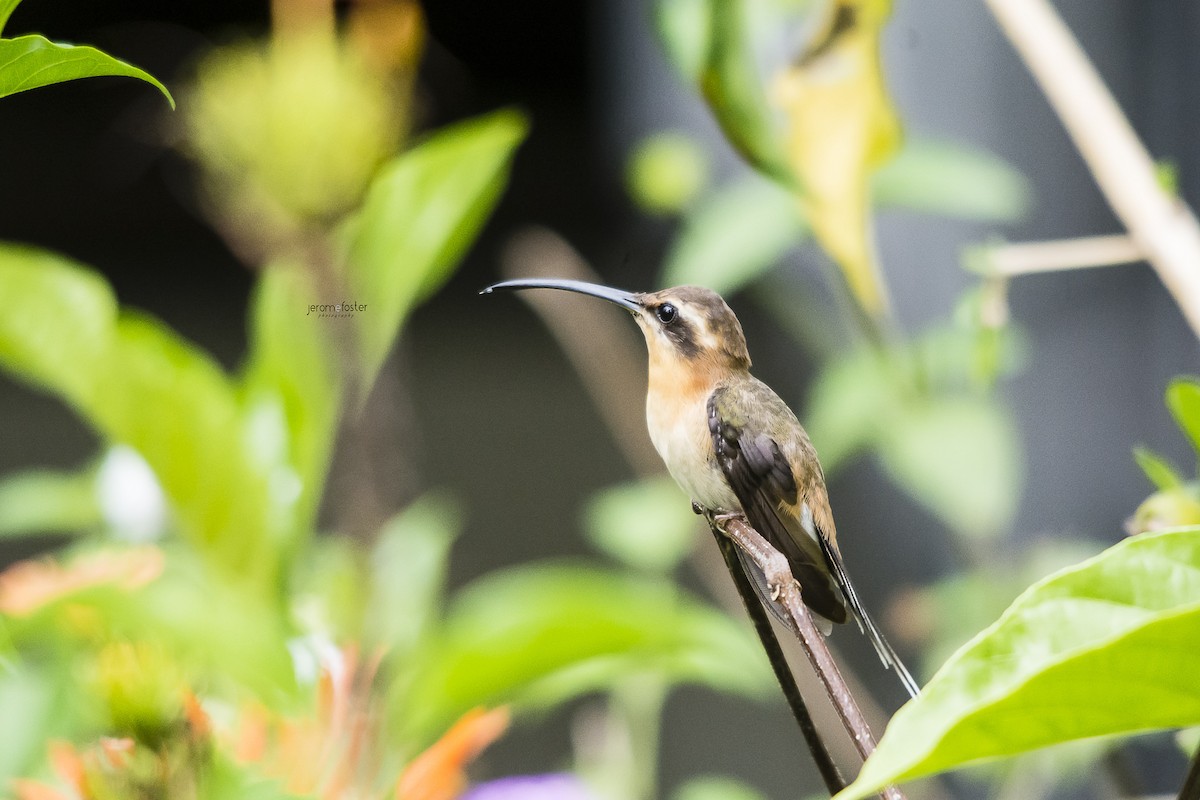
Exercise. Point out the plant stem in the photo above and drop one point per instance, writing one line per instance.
(775, 568)
(1162, 225)
(783, 672)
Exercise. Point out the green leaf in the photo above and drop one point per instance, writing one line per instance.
(291, 371)
(684, 27)
(959, 457)
(848, 406)
(734, 236)
(666, 171)
(408, 572)
(1110, 646)
(648, 525)
(537, 635)
(30, 62)
(952, 180)
(48, 501)
(6, 9)
(1183, 399)
(421, 213)
(1157, 469)
(711, 44)
(139, 384)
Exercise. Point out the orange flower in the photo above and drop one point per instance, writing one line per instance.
(28, 586)
(437, 774)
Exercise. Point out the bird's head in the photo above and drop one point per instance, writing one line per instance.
(686, 327)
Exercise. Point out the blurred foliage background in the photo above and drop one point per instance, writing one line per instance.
(331, 556)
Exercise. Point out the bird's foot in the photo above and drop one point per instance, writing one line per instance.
(717, 517)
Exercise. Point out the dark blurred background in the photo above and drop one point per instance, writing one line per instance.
(493, 412)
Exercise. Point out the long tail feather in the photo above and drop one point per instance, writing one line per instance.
(887, 654)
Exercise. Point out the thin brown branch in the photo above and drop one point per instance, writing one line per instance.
(1163, 226)
(779, 577)
(783, 671)
(1023, 258)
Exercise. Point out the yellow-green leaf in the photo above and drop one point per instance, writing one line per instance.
(1110, 646)
(30, 62)
(840, 125)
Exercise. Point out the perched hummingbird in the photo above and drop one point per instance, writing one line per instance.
(734, 446)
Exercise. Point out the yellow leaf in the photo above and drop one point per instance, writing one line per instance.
(841, 125)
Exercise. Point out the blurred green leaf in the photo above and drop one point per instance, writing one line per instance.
(716, 787)
(710, 42)
(408, 572)
(959, 457)
(30, 62)
(684, 29)
(291, 371)
(6, 9)
(848, 405)
(648, 525)
(735, 235)
(1110, 646)
(952, 180)
(841, 125)
(48, 501)
(1156, 468)
(666, 171)
(421, 213)
(39, 695)
(1183, 399)
(541, 634)
(139, 384)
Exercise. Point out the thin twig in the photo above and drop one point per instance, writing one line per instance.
(1023, 258)
(775, 568)
(1164, 228)
(783, 672)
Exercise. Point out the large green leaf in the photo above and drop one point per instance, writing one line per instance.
(959, 457)
(291, 374)
(139, 384)
(539, 634)
(420, 215)
(734, 236)
(952, 180)
(1110, 646)
(646, 524)
(30, 62)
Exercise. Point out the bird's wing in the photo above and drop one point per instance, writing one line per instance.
(791, 511)
(756, 465)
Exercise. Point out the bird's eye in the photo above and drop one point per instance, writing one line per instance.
(666, 313)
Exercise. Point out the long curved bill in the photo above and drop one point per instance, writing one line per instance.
(622, 298)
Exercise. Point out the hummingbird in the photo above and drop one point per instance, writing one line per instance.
(734, 446)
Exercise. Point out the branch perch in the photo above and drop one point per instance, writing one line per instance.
(779, 577)
(1162, 225)
(783, 672)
